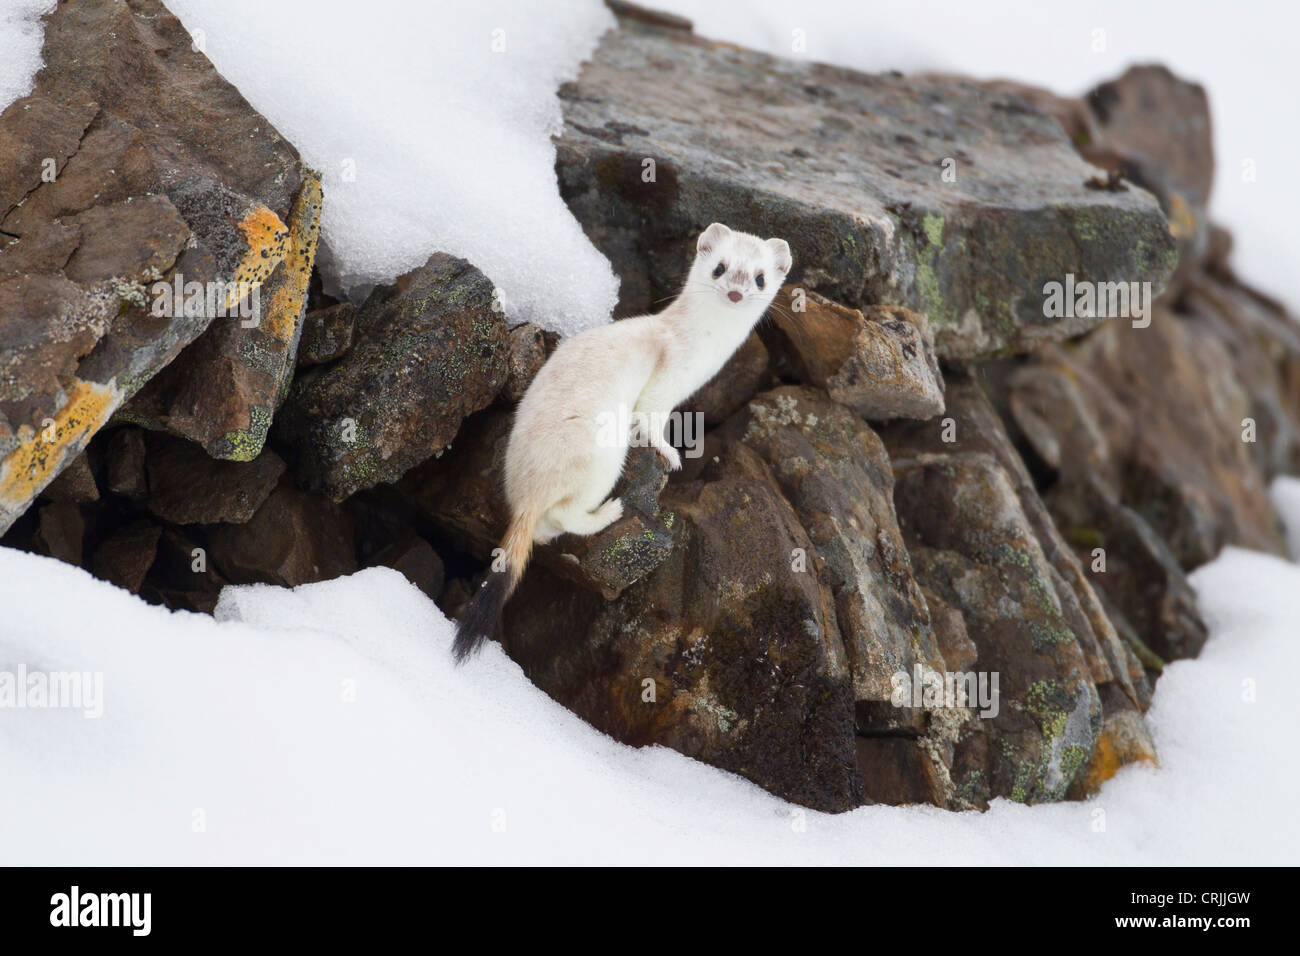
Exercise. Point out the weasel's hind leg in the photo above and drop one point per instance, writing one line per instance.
(572, 519)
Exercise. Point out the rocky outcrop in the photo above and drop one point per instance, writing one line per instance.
(933, 543)
(131, 163)
(887, 189)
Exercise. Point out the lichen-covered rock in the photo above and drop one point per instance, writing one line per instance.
(849, 169)
(971, 544)
(327, 333)
(223, 390)
(163, 171)
(879, 361)
(430, 350)
(726, 652)
(835, 472)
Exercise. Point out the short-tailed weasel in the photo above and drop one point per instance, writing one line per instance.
(561, 463)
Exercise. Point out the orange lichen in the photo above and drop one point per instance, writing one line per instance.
(268, 239)
(281, 316)
(42, 452)
(1117, 747)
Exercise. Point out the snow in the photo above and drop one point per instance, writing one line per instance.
(21, 35)
(326, 724)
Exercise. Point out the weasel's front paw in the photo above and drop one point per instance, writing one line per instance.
(670, 456)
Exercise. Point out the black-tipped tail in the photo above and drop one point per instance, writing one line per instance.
(482, 618)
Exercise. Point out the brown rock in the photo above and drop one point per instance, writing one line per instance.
(125, 556)
(879, 361)
(163, 171)
(525, 357)
(76, 483)
(417, 561)
(188, 487)
(125, 462)
(62, 531)
(294, 538)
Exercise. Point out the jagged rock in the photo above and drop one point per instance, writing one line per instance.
(124, 558)
(163, 170)
(293, 538)
(848, 168)
(223, 390)
(835, 472)
(526, 356)
(972, 544)
(62, 531)
(416, 560)
(327, 333)
(430, 350)
(76, 483)
(724, 653)
(736, 382)
(125, 463)
(1168, 442)
(1151, 113)
(189, 487)
(879, 361)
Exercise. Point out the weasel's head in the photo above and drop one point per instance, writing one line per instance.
(737, 270)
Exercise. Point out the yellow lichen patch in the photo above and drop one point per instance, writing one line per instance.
(267, 238)
(1182, 220)
(1124, 740)
(42, 451)
(282, 312)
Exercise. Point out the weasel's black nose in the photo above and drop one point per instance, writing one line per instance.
(734, 296)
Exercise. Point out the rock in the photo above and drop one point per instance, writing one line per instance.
(973, 426)
(126, 555)
(526, 356)
(417, 561)
(849, 169)
(1152, 114)
(736, 383)
(62, 531)
(971, 544)
(223, 390)
(294, 538)
(163, 172)
(430, 350)
(76, 483)
(327, 333)
(723, 653)
(125, 462)
(188, 487)
(879, 361)
(1169, 441)
(183, 575)
(835, 472)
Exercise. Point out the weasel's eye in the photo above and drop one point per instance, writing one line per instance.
(721, 268)
(758, 280)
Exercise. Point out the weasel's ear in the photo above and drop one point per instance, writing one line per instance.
(710, 237)
(781, 254)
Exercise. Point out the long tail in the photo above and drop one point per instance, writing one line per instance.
(483, 616)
